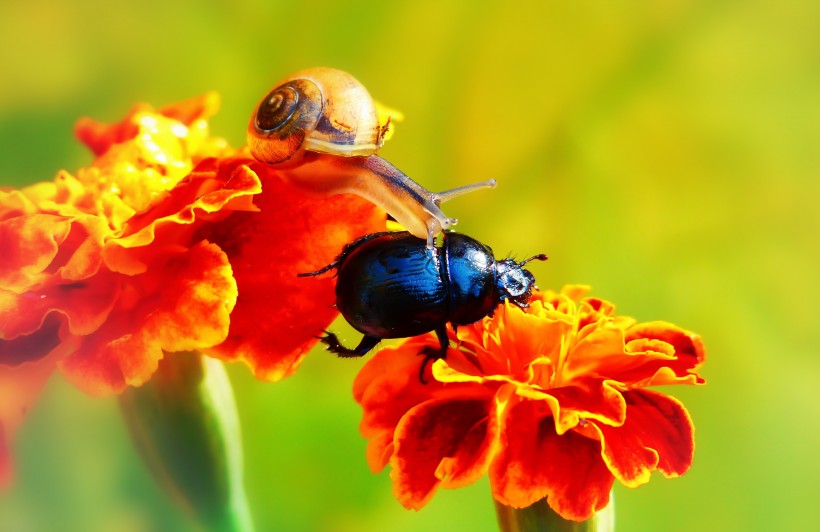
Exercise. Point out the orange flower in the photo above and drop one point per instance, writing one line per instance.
(550, 401)
(170, 241)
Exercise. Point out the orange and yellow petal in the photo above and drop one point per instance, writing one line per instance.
(182, 304)
(170, 241)
(567, 376)
(186, 214)
(30, 243)
(100, 137)
(47, 269)
(511, 340)
(534, 462)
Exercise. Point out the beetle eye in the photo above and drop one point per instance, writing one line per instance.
(514, 282)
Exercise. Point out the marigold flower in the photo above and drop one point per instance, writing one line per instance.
(170, 241)
(550, 401)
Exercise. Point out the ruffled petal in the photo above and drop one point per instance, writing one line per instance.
(46, 268)
(688, 355)
(587, 399)
(601, 351)
(278, 314)
(535, 462)
(526, 338)
(187, 213)
(183, 304)
(388, 386)
(440, 442)
(657, 434)
(100, 137)
(29, 244)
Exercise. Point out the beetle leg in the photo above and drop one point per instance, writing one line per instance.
(343, 255)
(431, 354)
(334, 346)
(320, 271)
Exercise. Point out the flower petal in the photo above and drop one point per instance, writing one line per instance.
(689, 353)
(535, 462)
(440, 442)
(213, 191)
(565, 374)
(33, 360)
(278, 314)
(19, 389)
(39, 246)
(388, 386)
(588, 398)
(180, 305)
(657, 433)
(99, 137)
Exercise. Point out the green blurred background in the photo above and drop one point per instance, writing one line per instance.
(664, 152)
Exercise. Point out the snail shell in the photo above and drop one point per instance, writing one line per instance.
(322, 129)
(320, 110)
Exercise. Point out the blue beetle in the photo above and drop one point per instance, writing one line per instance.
(392, 285)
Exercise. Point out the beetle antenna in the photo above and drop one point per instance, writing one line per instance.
(540, 256)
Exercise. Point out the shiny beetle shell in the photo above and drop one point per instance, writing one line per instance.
(321, 110)
(391, 285)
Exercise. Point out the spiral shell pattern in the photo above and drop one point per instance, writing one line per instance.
(322, 110)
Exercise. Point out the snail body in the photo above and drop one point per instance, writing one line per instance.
(321, 127)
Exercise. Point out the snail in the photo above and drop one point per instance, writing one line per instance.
(322, 129)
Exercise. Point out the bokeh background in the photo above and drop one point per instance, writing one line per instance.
(667, 153)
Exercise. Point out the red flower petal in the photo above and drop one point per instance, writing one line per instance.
(22, 381)
(440, 442)
(33, 346)
(689, 352)
(565, 374)
(388, 386)
(535, 462)
(278, 314)
(48, 261)
(657, 433)
(588, 399)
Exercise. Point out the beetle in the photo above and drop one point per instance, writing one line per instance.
(392, 285)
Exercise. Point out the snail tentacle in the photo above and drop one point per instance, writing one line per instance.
(323, 128)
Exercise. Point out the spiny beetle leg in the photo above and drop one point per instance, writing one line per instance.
(347, 250)
(334, 346)
(431, 354)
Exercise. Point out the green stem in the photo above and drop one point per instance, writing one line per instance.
(184, 423)
(541, 518)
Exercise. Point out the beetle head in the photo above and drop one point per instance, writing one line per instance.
(514, 282)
